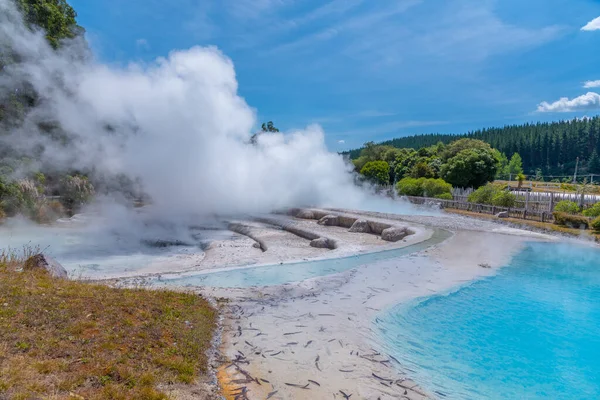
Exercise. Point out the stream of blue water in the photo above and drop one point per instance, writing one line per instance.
(530, 332)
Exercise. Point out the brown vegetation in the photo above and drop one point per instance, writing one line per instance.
(66, 339)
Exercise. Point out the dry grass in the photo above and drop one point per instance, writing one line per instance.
(66, 339)
(527, 224)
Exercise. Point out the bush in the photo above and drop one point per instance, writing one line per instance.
(76, 190)
(436, 187)
(485, 194)
(596, 225)
(593, 211)
(377, 172)
(504, 198)
(566, 206)
(410, 187)
(444, 196)
(570, 220)
(2, 215)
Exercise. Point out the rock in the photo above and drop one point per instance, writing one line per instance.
(256, 245)
(378, 227)
(305, 214)
(345, 221)
(41, 261)
(360, 226)
(329, 220)
(394, 234)
(321, 243)
(503, 214)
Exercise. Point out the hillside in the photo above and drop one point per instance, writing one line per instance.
(552, 147)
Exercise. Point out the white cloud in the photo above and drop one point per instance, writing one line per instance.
(591, 84)
(593, 25)
(587, 101)
(341, 141)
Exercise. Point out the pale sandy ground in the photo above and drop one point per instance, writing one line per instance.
(316, 339)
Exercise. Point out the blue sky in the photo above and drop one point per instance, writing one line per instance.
(377, 69)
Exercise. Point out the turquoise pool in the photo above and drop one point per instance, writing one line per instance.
(272, 275)
(530, 332)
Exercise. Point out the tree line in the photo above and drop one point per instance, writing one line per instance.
(545, 148)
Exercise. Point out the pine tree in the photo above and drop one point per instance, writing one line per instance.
(594, 163)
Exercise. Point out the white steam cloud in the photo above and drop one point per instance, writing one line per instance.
(178, 124)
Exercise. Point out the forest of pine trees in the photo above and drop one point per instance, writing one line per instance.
(551, 147)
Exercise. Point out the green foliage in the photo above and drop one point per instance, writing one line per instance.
(570, 220)
(422, 170)
(423, 187)
(484, 194)
(594, 162)
(595, 225)
(76, 191)
(566, 206)
(269, 127)
(593, 211)
(552, 147)
(444, 196)
(2, 215)
(515, 166)
(470, 164)
(55, 17)
(377, 172)
(410, 187)
(436, 187)
(504, 198)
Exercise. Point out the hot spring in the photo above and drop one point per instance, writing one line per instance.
(529, 332)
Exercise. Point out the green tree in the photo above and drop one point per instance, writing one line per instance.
(515, 166)
(469, 163)
(56, 17)
(377, 172)
(269, 127)
(594, 163)
(422, 170)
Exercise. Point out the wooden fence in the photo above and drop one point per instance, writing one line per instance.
(512, 212)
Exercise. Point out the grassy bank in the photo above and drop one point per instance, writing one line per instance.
(528, 224)
(68, 339)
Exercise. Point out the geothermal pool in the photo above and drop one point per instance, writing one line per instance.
(529, 332)
(272, 275)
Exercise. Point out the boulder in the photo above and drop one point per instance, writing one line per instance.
(346, 222)
(503, 214)
(378, 227)
(305, 214)
(394, 234)
(321, 243)
(329, 220)
(41, 261)
(360, 226)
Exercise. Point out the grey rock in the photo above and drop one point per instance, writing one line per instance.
(394, 234)
(329, 220)
(321, 243)
(305, 214)
(503, 214)
(378, 227)
(360, 226)
(41, 261)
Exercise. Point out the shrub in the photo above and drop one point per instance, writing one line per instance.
(593, 211)
(484, 194)
(76, 190)
(570, 220)
(436, 187)
(504, 198)
(595, 224)
(444, 196)
(377, 172)
(2, 215)
(410, 187)
(566, 206)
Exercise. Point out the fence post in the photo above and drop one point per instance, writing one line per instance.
(493, 210)
(525, 214)
(551, 202)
